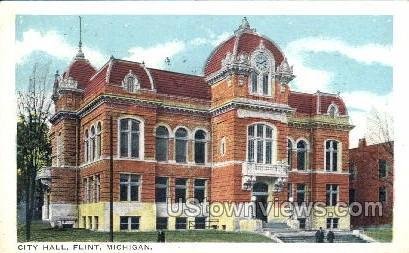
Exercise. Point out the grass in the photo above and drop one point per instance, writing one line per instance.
(381, 234)
(41, 232)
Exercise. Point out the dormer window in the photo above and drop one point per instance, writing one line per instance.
(130, 82)
(261, 75)
(333, 110)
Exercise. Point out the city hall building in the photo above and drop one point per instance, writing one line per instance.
(238, 134)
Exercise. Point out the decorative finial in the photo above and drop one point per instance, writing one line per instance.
(80, 54)
(244, 27)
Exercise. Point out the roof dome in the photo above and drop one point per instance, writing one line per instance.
(244, 41)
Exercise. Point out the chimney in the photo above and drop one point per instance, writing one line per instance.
(362, 143)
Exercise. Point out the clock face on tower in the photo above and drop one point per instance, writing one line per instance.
(261, 61)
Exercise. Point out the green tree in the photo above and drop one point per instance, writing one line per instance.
(33, 144)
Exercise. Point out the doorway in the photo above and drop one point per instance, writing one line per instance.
(260, 191)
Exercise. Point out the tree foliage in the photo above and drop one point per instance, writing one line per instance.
(33, 144)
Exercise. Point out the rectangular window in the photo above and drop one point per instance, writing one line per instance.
(181, 151)
(300, 194)
(331, 194)
(289, 191)
(351, 196)
(332, 223)
(88, 190)
(161, 223)
(383, 168)
(180, 223)
(200, 185)
(85, 190)
(89, 222)
(200, 222)
(97, 188)
(92, 189)
(180, 189)
(260, 151)
(251, 151)
(96, 222)
(265, 84)
(161, 149)
(269, 149)
(129, 223)
(382, 194)
(253, 82)
(161, 186)
(84, 221)
(129, 187)
(301, 222)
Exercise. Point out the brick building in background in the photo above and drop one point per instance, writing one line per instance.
(237, 134)
(371, 180)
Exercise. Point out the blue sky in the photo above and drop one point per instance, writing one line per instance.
(346, 54)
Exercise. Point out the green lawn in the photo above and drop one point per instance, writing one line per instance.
(381, 234)
(43, 232)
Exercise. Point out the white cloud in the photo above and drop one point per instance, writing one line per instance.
(360, 105)
(53, 44)
(155, 56)
(212, 39)
(367, 54)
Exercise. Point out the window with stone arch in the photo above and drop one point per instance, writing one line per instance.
(332, 155)
(261, 76)
(86, 146)
(302, 155)
(200, 146)
(131, 82)
(260, 146)
(289, 153)
(181, 138)
(98, 140)
(129, 138)
(333, 110)
(162, 143)
(93, 144)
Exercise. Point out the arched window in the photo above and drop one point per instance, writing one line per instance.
(181, 145)
(332, 110)
(289, 153)
(93, 144)
(200, 147)
(301, 155)
(162, 139)
(130, 82)
(260, 144)
(331, 155)
(86, 146)
(129, 138)
(99, 143)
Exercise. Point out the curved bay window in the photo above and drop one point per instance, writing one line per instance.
(129, 138)
(162, 140)
(302, 155)
(331, 155)
(260, 144)
(200, 147)
(181, 145)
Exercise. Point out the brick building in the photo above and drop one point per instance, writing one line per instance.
(371, 180)
(237, 134)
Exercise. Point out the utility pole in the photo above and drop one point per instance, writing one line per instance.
(111, 181)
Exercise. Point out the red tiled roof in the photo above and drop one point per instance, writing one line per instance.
(81, 71)
(307, 103)
(247, 43)
(179, 84)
